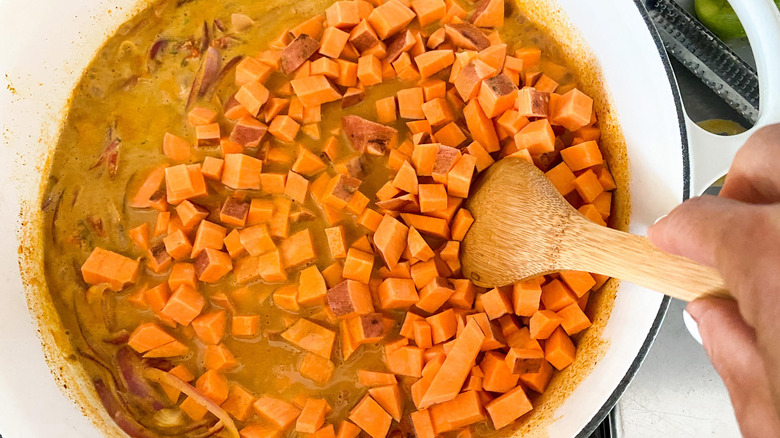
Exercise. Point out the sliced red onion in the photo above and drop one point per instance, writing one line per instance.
(122, 419)
(131, 374)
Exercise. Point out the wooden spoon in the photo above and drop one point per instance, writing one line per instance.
(524, 228)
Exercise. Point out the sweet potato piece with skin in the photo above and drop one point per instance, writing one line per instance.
(524, 360)
(211, 265)
(352, 97)
(446, 157)
(297, 52)
(340, 190)
(400, 43)
(366, 329)
(353, 166)
(234, 212)
(365, 135)
(316, 90)
(467, 36)
(248, 132)
(497, 95)
(158, 258)
(363, 37)
(350, 298)
(467, 82)
(533, 103)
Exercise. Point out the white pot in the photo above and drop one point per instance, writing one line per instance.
(47, 44)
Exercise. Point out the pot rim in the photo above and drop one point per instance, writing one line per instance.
(613, 398)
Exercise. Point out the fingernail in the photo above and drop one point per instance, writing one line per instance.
(694, 310)
(659, 219)
(692, 326)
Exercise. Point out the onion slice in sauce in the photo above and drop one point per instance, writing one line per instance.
(160, 376)
(115, 410)
(206, 77)
(131, 372)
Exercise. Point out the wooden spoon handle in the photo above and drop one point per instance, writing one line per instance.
(633, 258)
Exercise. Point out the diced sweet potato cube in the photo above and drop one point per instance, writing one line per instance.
(366, 329)
(509, 407)
(242, 172)
(497, 95)
(358, 265)
(184, 305)
(390, 18)
(248, 132)
(333, 42)
(572, 110)
(350, 298)
(390, 240)
(365, 135)
(397, 293)
(252, 96)
(280, 413)
(297, 52)
(298, 249)
(370, 416)
(429, 11)
(435, 294)
(104, 266)
(342, 14)
(524, 360)
(311, 337)
(316, 368)
(315, 90)
(211, 265)
(234, 212)
(537, 137)
(149, 336)
(467, 36)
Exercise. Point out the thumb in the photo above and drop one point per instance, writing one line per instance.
(736, 238)
(697, 227)
(731, 345)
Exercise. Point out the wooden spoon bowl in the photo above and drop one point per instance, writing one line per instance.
(524, 228)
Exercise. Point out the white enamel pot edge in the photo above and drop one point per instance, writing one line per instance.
(705, 158)
(68, 33)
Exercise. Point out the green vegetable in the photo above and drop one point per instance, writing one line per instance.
(719, 17)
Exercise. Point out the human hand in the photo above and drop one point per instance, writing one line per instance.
(738, 233)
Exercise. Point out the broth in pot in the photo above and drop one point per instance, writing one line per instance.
(253, 218)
